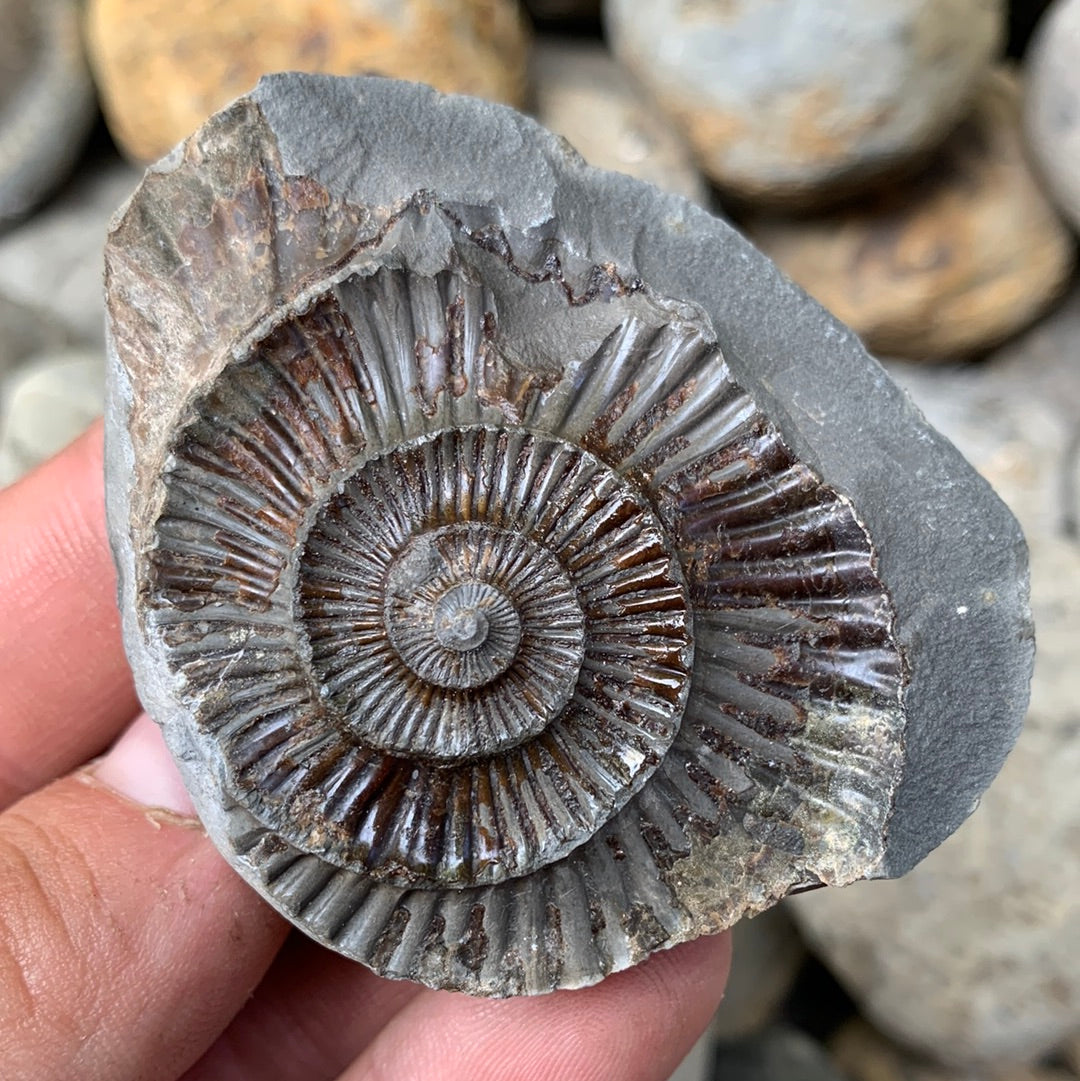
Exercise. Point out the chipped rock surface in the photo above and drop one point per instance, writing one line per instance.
(47, 100)
(1052, 105)
(582, 94)
(974, 957)
(163, 68)
(793, 100)
(948, 263)
(44, 405)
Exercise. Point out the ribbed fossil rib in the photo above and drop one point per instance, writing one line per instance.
(431, 808)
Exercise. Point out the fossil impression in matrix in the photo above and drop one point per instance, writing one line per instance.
(525, 575)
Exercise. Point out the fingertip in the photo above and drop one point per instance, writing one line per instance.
(138, 942)
(637, 1025)
(67, 688)
(140, 768)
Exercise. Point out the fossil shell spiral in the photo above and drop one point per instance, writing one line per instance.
(506, 625)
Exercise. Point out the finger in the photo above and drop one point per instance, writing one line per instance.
(322, 1011)
(66, 690)
(126, 943)
(635, 1026)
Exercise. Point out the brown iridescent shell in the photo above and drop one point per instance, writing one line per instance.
(501, 633)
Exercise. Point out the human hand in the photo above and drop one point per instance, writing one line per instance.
(130, 950)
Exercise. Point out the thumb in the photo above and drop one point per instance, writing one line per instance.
(126, 942)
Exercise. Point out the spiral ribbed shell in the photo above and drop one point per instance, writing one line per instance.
(321, 518)
(513, 640)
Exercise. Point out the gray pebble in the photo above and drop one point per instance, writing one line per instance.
(47, 100)
(46, 404)
(780, 1053)
(53, 262)
(795, 100)
(1052, 106)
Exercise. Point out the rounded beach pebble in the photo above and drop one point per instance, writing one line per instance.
(798, 100)
(164, 67)
(946, 265)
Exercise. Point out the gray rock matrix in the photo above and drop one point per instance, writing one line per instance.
(949, 553)
(974, 957)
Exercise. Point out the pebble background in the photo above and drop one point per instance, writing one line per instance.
(943, 230)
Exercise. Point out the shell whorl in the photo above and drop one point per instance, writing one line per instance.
(524, 575)
(512, 673)
(471, 602)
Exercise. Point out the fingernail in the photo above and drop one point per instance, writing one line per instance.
(140, 767)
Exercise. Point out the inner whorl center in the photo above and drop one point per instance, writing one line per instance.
(451, 625)
(459, 624)
(476, 630)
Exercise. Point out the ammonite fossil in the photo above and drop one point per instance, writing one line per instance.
(525, 575)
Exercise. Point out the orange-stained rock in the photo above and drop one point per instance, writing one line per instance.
(863, 1054)
(947, 264)
(164, 66)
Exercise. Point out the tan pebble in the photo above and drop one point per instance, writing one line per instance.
(864, 1054)
(959, 258)
(581, 94)
(163, 67)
